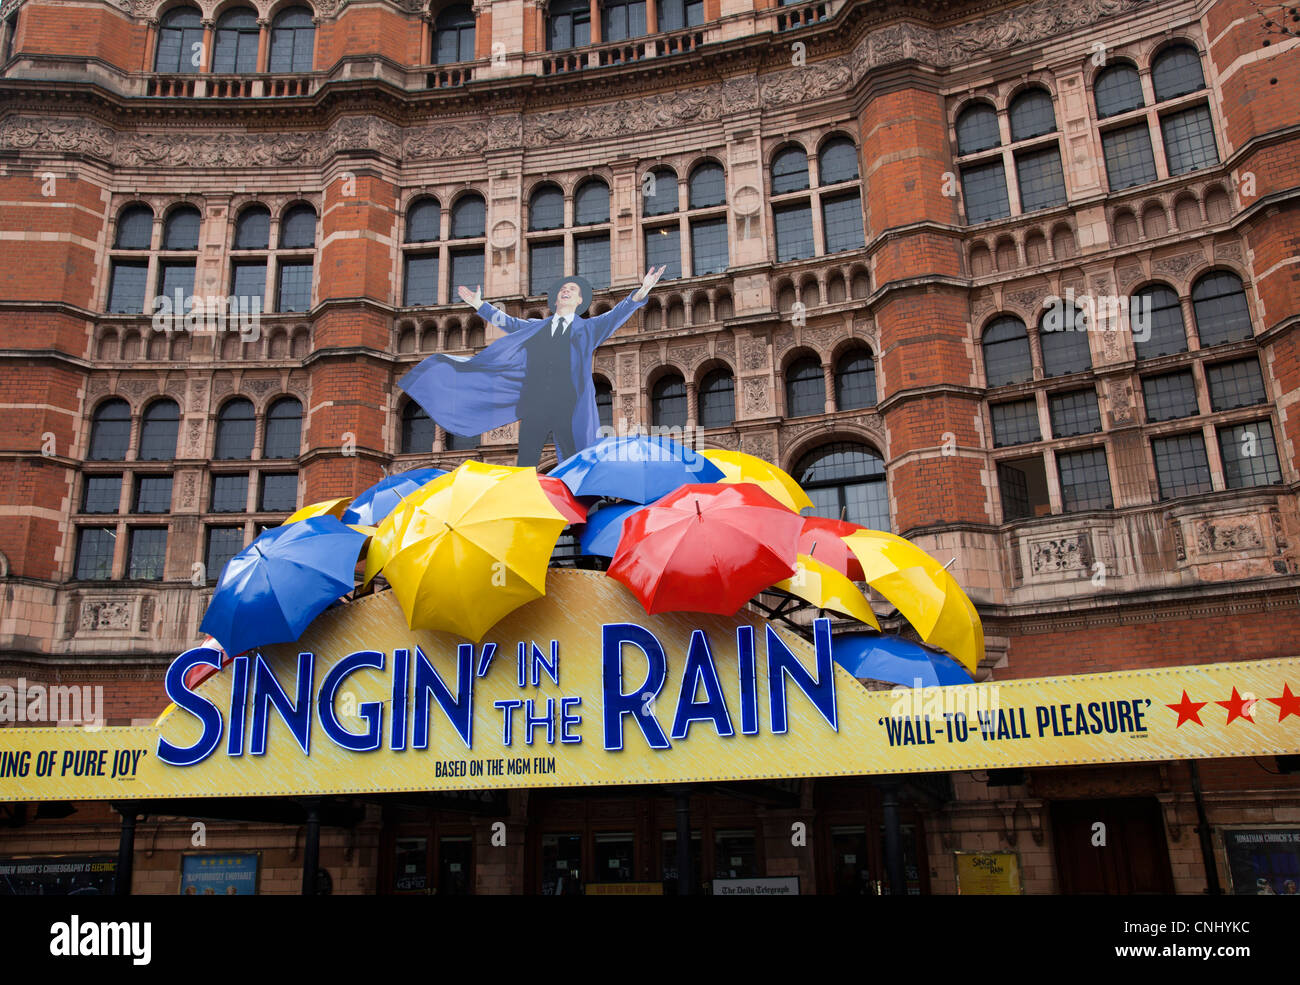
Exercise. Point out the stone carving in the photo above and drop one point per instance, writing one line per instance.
(629, 409)
(105, 614)
(97, 387)
(259, 387)
(1120, 397)
(194, 440)
(605, 366)
(1279, 535)
(1180, 546)
(198, 393)
(138, 8)
(755, 396)
(138, 388)
(364, 133)
(627, 370)
(1230, 250)
(760, 446)
(1018, 570)
(223, 385)
(753, 349)
(1060, 554)
(687, 356)
(1129, 273)
(821, 338)
(146, 613)
(725, 348)
(1110, 345)
(456, 139)
(1027, 300)
(729, 440)
(506, 434)
(1176, 265)
(1223, 535)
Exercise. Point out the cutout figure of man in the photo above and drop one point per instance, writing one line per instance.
(538, 374)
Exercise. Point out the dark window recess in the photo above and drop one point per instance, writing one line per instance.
(134, 228)
(545, 265)
(837, 161)
(230, 493)
(460, 442)
(1181, 465)
(545, 209)
(1219, 304)
(805, 389)
(984, 190)
(708, 246)
(1117, 90)
(1006, 352)
(1015, 423)
(1170, 396)
(1023, 486)
(279, 493)
(659, 192)
(424, 221)
(294, 293)
(1074, 413)
(663, 246)
(604, 403)
(153, 494)
(1085, 480)
(855, 381)
(1129, 158)
(235, 428)
(717, 400)
(102, 494)
(223, 544)
(466, 269)
(668, 402)
(842, 221)
(148, 553)
(1249, 455)
(591, 204)
(158, 431)
(1189, 140)
(292, 40)
(794, 232)
(789, 171)
(707, 186)
(298, 228)
(95, 553)
(181, 231)
(1235, 384)
(1176, 72)
(283, 429)
(977, 129)
(846, 481)
(127, 286)
(1032, 115)
(1063, 337)
(110, 432)
(468, 217)
(417, 429)
(1156, 319)
(420, 279)
(1042, 184)
(592, 256)
(253, 230)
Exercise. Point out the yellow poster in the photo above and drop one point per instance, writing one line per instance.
(583, 688)
(988, 873)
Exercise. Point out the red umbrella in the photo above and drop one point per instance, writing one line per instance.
(706, 548)
(562, 499)
(821, 538)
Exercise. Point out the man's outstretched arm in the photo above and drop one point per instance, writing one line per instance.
(489, 312)
(603, 326)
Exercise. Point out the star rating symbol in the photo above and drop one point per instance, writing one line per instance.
(1188, 710)
(1238, 707)
(1288, 704)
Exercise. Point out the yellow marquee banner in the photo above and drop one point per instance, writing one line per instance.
(583, 688)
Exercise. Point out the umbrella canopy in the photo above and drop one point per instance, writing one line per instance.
(604, 528)
(271, 590)
(637, 468)
(473, 547)
(894, 659)
(919, 587)
(706, 548)
(326, 507)
(736, 466)
(826, 588)
(378, 501)
(563, 500)
(824, 540)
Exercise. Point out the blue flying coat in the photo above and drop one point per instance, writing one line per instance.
(470, 395)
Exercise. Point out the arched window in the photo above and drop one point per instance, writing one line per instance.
(253, 228)
(158, 431)
(855, 380)
(283, 429)
(622, 19)
(789, 170)
(570, 25)
(545, 209)
(591, 203)
(110, 432)
(718, 399)
(677, 14)
(1176, 72)
(293, 38)
(181, 231)
(1117, 89)
(453, 35)
(659, 192)
(423, 221)
(134, 228)
(707, 186)
(1219, 304)
(846, 481)
(298, 228)
(837, 161)
(234, 47)
(180, 41)
(668, 403)
(1156, 319)
(457, 442)
(468, 217)
(417, 429)
(805, 388)
(1006, 352)
(604, 401)
(1032, 115)
(977, 129)
(235, 430)
(180, 234)
(1063, 336)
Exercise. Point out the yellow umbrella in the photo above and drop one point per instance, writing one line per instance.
(923, 591)
(473, 549)
(738, 467)
(332, 507)
(826, 588)
(387, 537)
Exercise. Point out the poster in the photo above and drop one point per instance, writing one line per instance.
(988, 873)
(58, 875)
(1263, 861)
(219, 875)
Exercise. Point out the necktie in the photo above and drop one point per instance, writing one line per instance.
(559, 326)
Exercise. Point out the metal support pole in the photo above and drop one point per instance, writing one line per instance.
(125, 851)
(1203, 829)
(893, 841)
(684, 887)
(311, 849)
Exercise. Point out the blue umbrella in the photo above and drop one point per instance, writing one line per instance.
(637, 468)
(894, 659)
(271, 590)
(379, 500)
(605, 528)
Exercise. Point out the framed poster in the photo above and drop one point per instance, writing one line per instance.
(58, 875)
(1263, 861)
(988, 873)
(219, 874)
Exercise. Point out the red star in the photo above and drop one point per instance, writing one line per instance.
(1288, 704)
(1238, 707)
(1188, 710)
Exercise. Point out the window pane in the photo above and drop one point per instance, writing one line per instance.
(1042, 186)
(103, 494)
(789, 171)
(855, 381)
(1063, 336)
(235, 430)
(805, 389)
(1032, 115)
(292, 39)
(424, 221)
(718, 400)
(1189, 140)
(153, 494)
(1177, 72)
(663, 245)
(592, 254)
(1170, 396)
(708, 186)
(1015, 423)
(842, 220)
(591, 204)
(110, 432)
(223, 544)
(838, 161)
(126, 290)
(977, 129)
(180, 32)
(708, 246)
(1118, 90)
(1085, 480)
(1129, 160)
(659, 192)
(420, 282)
(984, 189)
(1074, 413)
(1156, 317)
(1006, 352)
(1249, 455)
(148, 553)
(134, 229)
(545, 209)
(298, 228)
(417, 429)
(468, 217)
(1235, 384)
(283, 429)
(279, 493)
(604, 403)
(466, 269)
(846, 480)
(253, 231)
(181, 231)
(1219, 304)
(174, 277)
(248, 281)
(545, 264)
(95, 553)
(456, 442)
(230, 493)
(794, 233)
(295, 287)
(668, 403)
(235, 49)
(1181, 465)
(158, 433)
